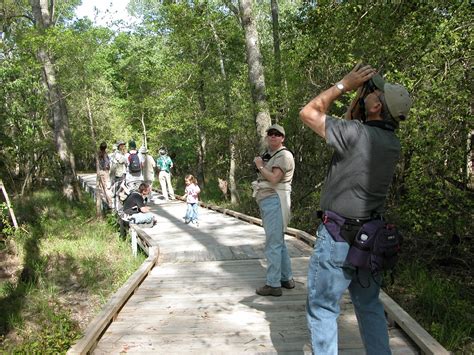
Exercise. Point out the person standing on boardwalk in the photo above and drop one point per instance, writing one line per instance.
(165, 164)
(149, 166)
(272, 191)
(191, 191)
(134, 163)
(355, 190)
(104, 178)
(119, 163)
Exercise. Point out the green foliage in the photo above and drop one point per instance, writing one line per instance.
(62, 266)
(165, 78)
(442, 306)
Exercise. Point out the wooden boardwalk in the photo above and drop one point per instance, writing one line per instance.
(200, 297)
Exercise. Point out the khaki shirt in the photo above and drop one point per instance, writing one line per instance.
(282, 159)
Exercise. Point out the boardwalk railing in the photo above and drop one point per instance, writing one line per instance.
(426, 343)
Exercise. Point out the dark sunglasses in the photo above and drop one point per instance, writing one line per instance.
(274, 133)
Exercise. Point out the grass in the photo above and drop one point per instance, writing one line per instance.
(441, 305)
(72, 263)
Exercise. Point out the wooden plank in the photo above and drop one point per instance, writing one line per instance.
(201, 299)
(116, 302)
(416, 332)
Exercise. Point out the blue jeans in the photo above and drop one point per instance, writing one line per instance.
(328, 278)
(191, 212)
(276, 252)
(142, 217)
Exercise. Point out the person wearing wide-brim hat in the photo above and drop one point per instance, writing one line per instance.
(118, 163)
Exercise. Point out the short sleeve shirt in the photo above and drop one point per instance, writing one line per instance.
(164, 163)
(361, 169)
(284, 160)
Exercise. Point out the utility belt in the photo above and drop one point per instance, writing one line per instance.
(374, 244)
(343, 229)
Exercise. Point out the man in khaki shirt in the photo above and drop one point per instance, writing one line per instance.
(272, 192)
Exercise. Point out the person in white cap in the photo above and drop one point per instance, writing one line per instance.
(149, 166)
(165, 164)
(355, 190)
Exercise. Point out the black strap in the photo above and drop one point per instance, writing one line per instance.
(381, 124)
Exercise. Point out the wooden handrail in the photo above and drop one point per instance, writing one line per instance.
(427, 344)
(100, 323)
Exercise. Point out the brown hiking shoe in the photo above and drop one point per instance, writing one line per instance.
(269, 291)
(288, 284)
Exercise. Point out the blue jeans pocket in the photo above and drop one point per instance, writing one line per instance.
(339, 252)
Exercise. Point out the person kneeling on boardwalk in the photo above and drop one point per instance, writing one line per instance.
(135, 206)
(272, 192)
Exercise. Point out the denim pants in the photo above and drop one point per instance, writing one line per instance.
(328, 278)
(191, 212)
(141, 217)
(276, 252)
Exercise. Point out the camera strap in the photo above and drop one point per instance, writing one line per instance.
(381, 124)
(274, 154)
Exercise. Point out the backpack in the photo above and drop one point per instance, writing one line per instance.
(134, 165)
(113, 165)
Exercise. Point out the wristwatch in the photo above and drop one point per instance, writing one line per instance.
(340, 86)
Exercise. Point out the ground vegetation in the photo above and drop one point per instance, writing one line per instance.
(162, 83)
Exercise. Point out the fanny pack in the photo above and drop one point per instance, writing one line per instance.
(374, 244)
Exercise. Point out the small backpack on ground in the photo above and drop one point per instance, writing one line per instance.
(134, 163)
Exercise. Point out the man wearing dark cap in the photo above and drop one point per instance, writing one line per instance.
(272, 191)
(361, 170)
(134, 163)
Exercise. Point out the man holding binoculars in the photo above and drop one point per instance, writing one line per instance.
(366, 151)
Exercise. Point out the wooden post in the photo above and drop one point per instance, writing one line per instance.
(10, 209)
(133, 233)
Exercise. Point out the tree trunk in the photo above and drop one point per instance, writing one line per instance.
(280, 107)
(142, 120)
(202, 134)
(470, 160)
(43, 17)
(256, 75)
(234, 195)
(98, 197)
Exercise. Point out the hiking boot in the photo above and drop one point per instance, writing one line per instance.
(288, 284)
(269, 291)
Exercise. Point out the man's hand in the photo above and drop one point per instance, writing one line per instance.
(314, 113)
(357, 76)
(145, 209)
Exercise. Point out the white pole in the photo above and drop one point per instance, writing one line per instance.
(134, 241)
